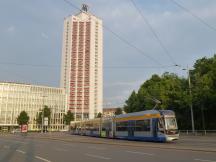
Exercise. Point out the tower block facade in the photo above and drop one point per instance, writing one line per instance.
(82, 64)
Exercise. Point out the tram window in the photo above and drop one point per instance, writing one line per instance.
(89, 126)
(171, 123)
(106, 126)
(95, 126)
(161, 124)
(95, 129)
(142, 125)
(122, 126)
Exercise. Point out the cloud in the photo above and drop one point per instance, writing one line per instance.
(184, 36)
(114, 101)
(11, 29)
(45, 36)
(118, 92)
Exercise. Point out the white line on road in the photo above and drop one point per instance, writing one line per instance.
(71, 145)
(16, 141)
(96, 148)
(204, 160)
(20, 151)
(140, 153)
(97, 156)
(6, 146)
(38, 157)
(60, 149)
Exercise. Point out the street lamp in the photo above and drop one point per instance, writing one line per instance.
(42, 123)
(191, 103)
(13, 123)
(53, 117)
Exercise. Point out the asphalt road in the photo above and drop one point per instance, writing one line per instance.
(67, 148)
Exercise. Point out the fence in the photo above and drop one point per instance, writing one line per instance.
(198, 132)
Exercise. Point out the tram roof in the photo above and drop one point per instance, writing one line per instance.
(167, 112)
(140, 113)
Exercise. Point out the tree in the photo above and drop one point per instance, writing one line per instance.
(173, 92)
(118, 111)
(68, 117)
(131, 103)
(23, 118)
(99, 115)
(203, 78)
(46, 112)
(39, 118)
(170, 89)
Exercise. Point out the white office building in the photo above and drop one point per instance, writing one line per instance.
(16, 97)
(82, 64)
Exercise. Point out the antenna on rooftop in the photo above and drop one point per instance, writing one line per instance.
(85, 7)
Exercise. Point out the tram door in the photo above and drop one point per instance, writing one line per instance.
(131, 128)
(107, 132)
(154, 127)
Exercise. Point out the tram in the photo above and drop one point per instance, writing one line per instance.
(149, 125)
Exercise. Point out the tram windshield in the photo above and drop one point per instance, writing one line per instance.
(171, 123)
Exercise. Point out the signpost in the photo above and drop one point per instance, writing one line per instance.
(24, 128)
(46, 123)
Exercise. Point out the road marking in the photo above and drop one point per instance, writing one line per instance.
(204, 160)
(15, 140)
(140, 153)
(21, 142)
(20, 151)
(60, 149)
(96, 148)
(38, 157)
(98, 157)
(6, 146)
(71, 145)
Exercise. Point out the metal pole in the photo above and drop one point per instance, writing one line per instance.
(191, 102)
(203, 119)
(42, 124)
(13, 120)
(42, 120)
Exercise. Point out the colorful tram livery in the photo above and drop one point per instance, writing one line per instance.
(150, 125)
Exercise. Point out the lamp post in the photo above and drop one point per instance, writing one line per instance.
(191, 103)
(13, 120)
(42, 118)
(42, 122)
(52, 119)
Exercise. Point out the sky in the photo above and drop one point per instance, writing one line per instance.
(31, 40)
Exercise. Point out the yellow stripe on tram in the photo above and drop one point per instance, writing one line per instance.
(146, 116)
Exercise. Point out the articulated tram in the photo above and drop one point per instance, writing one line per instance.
(150, 125)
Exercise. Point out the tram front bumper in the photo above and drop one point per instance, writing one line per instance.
(172, 137)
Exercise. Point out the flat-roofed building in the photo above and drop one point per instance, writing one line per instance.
(110, 112)
(17, 97)
(82, 64)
